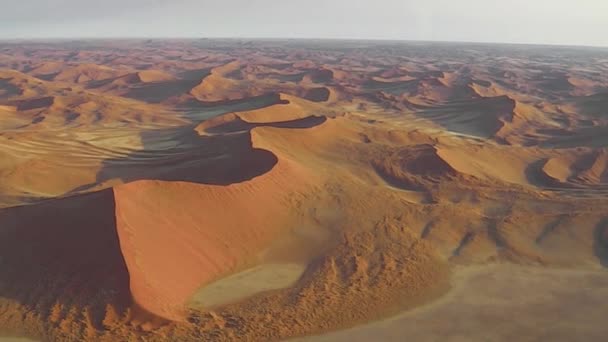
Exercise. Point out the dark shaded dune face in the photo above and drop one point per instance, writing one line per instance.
(242, 104)
(423, 160)
(195, 74)
(61, 259)
(38, 103)
(47, 77)
(233, 123)
(595, 106)
(158, 92)
(482, 83)
(396, 87)
(482, 117)
(317, 94)
(219, 160)
(392, 73)
(322, 76)
(7, 89)
(584, 169)
(594, 136)
(286, 77)
(408, 168)
(427, 74)
(601, 242)
(555, 82)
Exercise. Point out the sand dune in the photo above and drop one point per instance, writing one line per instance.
(56, 106)
(322, 76)
(84, 73)
(230, 241)
(36, 103)
(267, 190)
(216, 87)
(485, 116)
(7, 89)
(151, 76)
(589, 169)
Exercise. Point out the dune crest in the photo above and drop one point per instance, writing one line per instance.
(251, 190)
(590, 169)
(177, 214)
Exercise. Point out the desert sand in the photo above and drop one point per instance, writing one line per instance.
(500, 303)
(224, 190)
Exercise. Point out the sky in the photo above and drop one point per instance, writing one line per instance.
(564, 22)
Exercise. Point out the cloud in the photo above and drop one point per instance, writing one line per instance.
(580, 22)
(67, 10)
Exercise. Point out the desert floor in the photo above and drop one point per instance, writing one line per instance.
(500, 303)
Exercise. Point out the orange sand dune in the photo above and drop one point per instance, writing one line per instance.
(230, 241)
(589, 169)
(84, 73)
(150, 76)
(226, 241)
(47, 70)
(307, 186)
(216, 87)
(50, 104)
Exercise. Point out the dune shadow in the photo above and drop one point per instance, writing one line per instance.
(594, 105)
(181, 154)
(158, 92)
(287, 77)
(395, 88)
(7, 89)
(403, 183)
(237, 105)
(320, 94)
(600, 243)
(194, 74)
(48, 77)
(535, 175)
(482, 117)
(35, 103)
(239, 125)
(61, 259)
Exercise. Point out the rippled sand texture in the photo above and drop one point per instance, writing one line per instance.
(260, 191)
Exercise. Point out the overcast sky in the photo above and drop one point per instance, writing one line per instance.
(572, 22)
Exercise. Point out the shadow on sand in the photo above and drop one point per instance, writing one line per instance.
(61, 262)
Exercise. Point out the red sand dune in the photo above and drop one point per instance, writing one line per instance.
(229, 236)
(133, 174)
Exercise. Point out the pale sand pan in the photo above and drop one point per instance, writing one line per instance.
(241, 285)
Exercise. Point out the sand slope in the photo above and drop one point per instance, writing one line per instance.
(326, 185)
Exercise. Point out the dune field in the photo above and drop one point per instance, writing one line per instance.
(233, 190)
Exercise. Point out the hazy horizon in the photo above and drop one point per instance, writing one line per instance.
(543, 22)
